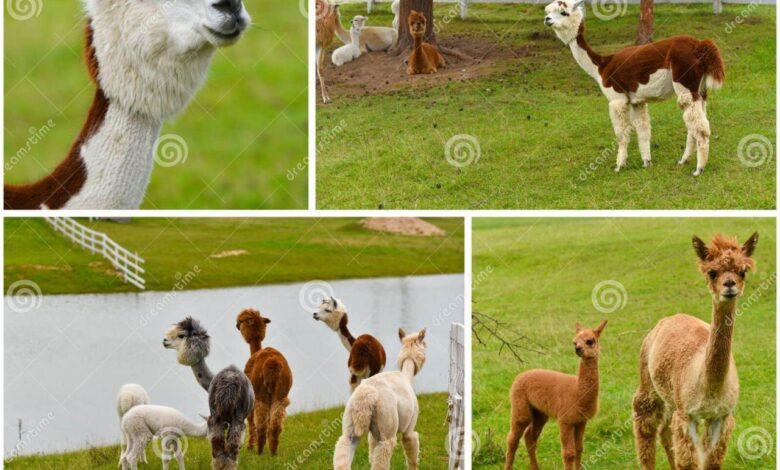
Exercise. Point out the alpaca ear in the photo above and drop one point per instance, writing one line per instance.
(600, 328)
(267, 320)
(401, 334)
(421, 335)
(205, 418)
(700, 248)
(578, 327)
(578, 5)
(335, 303)
(750, 244)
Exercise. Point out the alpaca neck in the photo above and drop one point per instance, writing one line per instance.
(585, 57)
(355, 34)
(194, 429)
(344, 335)
(409, 369)
(203, 374)
(588, 382)
(417, 52)
(717, 358)
(255, 345)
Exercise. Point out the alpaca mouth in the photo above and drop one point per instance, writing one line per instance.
(226, 36)
(730, 295)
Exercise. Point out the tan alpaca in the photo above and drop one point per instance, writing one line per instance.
(328, 24)
(538, 395)
(688, 381)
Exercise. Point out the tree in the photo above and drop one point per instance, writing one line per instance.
(644, 33)
(404, 44)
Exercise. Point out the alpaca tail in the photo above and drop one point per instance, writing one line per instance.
(709, 58)
(356, 423)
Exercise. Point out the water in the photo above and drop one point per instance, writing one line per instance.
(65, 360)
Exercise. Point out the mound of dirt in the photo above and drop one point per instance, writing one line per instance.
(379, 72)
(403, 226)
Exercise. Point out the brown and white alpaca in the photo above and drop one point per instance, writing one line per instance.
(634, 76)
(539, 394)
(424, 58)
(366, 354)
(383, 406)
(147, 60)
(327, 25)
(271, 379)
(688, 380)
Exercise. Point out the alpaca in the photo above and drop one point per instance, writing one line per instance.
(634, 76)
(351, 51)
(382, 406)
(147, 60)
(366, 354)
(375, 38)
(688, 380)
(539, 394)
(271, 379)
(424, 58)
(328, 24)
(229, 392)
(130, 395)
(143, 422)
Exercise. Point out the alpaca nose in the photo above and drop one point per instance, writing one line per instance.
(227, 6)
(730, 283)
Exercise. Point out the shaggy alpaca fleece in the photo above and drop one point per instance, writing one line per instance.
(425, 58)
(230, 403)
(130, 395)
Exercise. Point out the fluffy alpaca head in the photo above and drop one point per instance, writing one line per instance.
(725, 264)
(153, 55)
(412, 347)
(251, 325)
(359, 21)
(331, 311)
(565, 17)
(586, 342)
(417, 23)
(190, 340)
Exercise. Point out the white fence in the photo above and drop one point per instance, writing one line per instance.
(129, 264)
(456, 417)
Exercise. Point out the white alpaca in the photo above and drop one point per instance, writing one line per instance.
(382, 406)
(351, 51)
(375, 38)
(637, 75)
(396, 9)
(130, 395)
(147, 58)
(143, 422)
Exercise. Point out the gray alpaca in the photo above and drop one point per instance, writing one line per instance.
(231, 398)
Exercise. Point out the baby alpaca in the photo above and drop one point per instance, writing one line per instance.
(351, 51)
(366, 354)
(375, 38)
(143, 422)
(130, 395)
(425, 58)
(538, 395)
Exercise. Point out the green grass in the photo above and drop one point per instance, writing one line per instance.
(541, 122)
(307, 442)
(244, 131)
(538, 276)
(277, 251)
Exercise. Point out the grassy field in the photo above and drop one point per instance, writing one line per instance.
(544, 138)
(245, 130)
(307, 442)
(276, 251)
(539, 275)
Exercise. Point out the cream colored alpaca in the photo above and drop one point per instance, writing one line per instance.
(375, 38)
(688, 381)
(130, 395)
(382, 406)
(538, 395)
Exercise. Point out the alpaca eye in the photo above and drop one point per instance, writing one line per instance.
(743, 273)
(181, 335)
(589, 342)
(563, 13)
(713, 274)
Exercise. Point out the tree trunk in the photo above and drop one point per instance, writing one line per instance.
(644, 33)
(404, 44)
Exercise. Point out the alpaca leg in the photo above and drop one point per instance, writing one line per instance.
(621, 123)
(371, 445)
(532, 437)
(640, 119)
(690, 143)
(568, 446)
(216, 437)
(646, 414)
(579, 444)
(411, 443)
(383, 453)
(320, 65)
(250, 421)
(685, 455)
(345, 452)
(234, 437)
(521, 418)
(666, 439)
(696, 119)
(261, 424)
(180, 457)
(718, 437)
(278, 413)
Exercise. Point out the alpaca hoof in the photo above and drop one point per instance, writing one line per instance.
(617, 169)
(326, 100)
(683, 161)
(647, 163)
(698, 171)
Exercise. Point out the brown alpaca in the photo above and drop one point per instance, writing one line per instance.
(425, 58)
(539, 394)
(271, 379)
(688, 381)
(327, 26)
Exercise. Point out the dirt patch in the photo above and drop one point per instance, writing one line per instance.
(46, 267)
(228, 254)
(403, 226)
(104, 267)
(379, 72)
